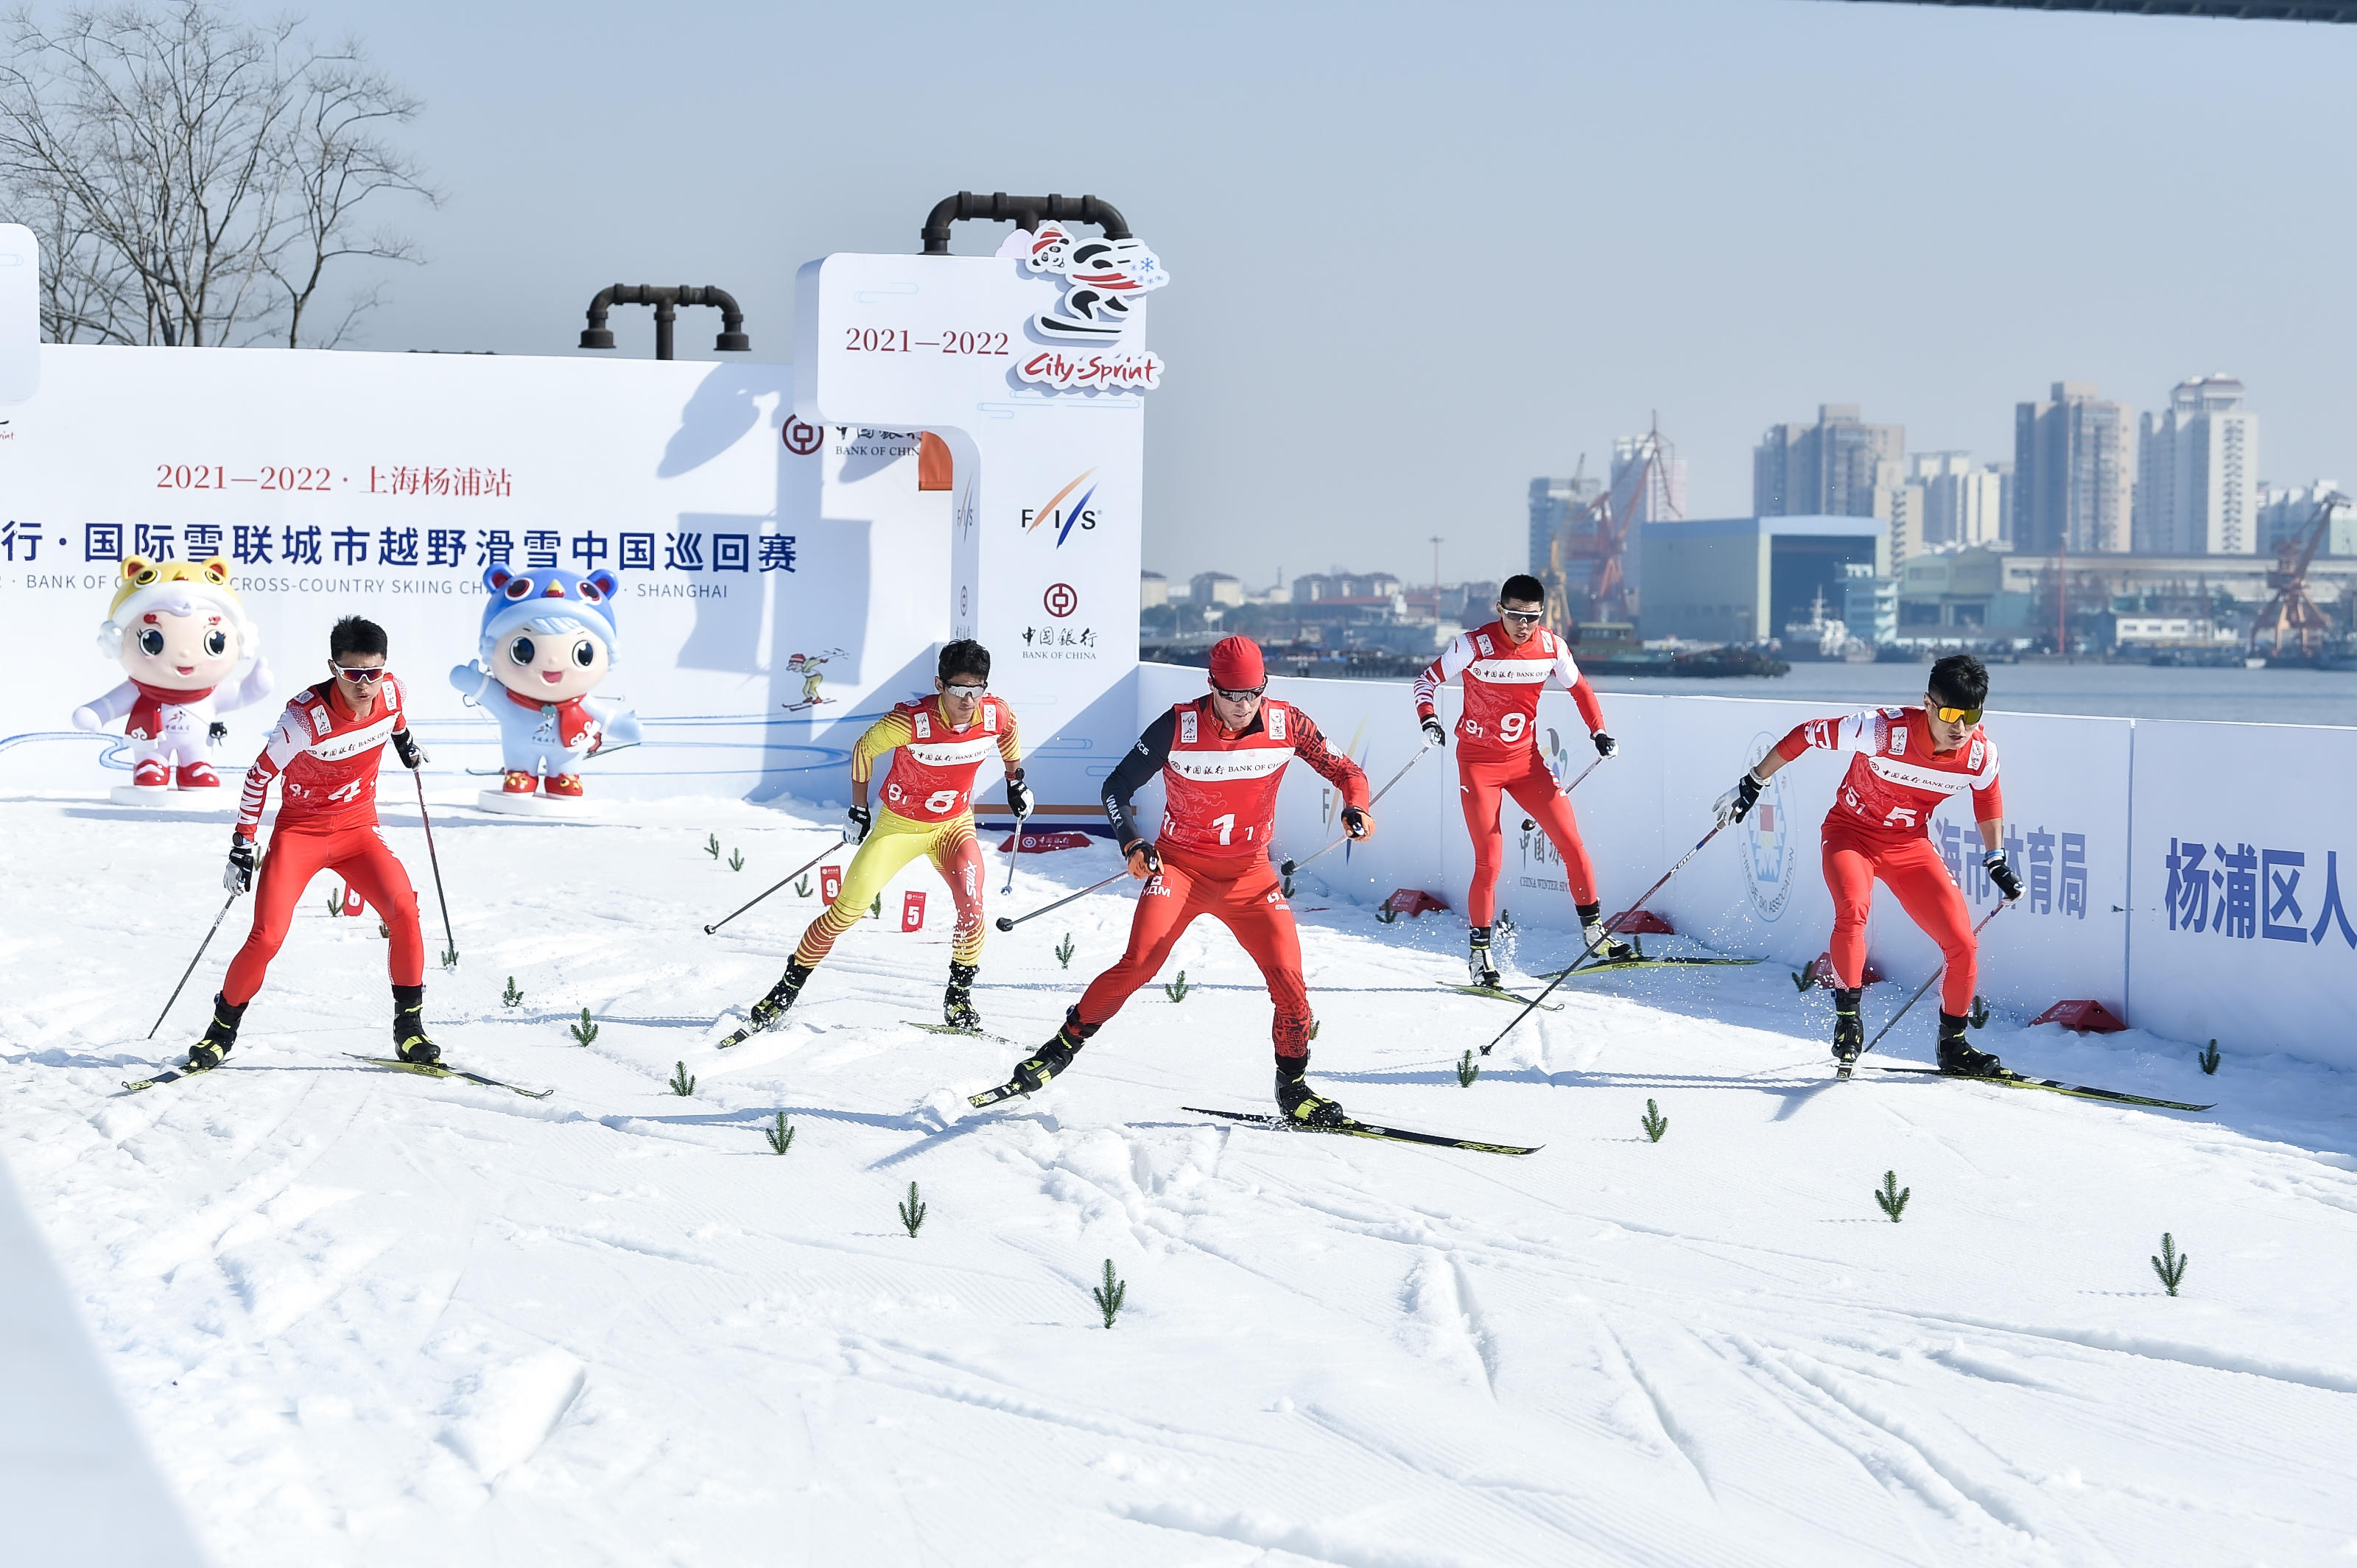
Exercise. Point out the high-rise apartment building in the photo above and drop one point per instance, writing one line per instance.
(2197, 475)
(1949, 502)
(2073, 476)
(1839, 466)
(1553, 502)
(2288, 513)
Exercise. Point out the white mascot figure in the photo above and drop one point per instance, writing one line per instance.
(548, 639)
(179, 632)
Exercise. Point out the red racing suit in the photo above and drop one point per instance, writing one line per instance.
(1498, 750)
(325, 760)
(1219, 805)
(1879, 826)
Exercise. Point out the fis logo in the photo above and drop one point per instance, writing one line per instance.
(1061, 513)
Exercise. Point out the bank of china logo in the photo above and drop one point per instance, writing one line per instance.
(1770, 848)
(1062, 512)
(1101, 279)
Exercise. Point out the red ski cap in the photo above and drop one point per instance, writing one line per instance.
(1236, 664)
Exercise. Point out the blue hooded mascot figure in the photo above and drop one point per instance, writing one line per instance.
(548, 639)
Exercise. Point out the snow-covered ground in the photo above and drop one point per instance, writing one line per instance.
(364, 1317)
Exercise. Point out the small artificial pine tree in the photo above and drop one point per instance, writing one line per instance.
(1979, 1016)
(1891, 1196)
(781, 1136)
(1064, 950)
(735, 860)
(681, 1083)
(449, 957)
(1386, 913)
(2209, 1058)
(912, 1212)
(1801, 979)
(712, 845)
(584, 1031)
(876, 910)
(1110, 1294)
(801, 886)
(1467, 1070)
(511, 996)
(1654, 1121)
(1176, 989)
(335, 903)
(2170, 1264)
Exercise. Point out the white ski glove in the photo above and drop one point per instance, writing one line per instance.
(1735, 804)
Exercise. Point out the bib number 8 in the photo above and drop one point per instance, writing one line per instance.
(941, 801)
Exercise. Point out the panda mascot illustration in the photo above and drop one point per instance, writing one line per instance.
(180, 633)
(548, 640)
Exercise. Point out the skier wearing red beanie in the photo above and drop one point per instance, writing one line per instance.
(1221, 757)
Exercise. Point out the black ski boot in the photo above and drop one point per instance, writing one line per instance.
(1304, 1106)
(409, 1041)
(770, 1010)
(1601, 944)
(957, 1001)
(1956, 1056)
(1849, 1029)
(220, 1035)
(1054, 1057)
(1482, 972)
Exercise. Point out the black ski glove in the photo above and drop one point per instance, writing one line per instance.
(1433, 735)
(1354, 822)
(216, 733)
(1605, 745)
(405, 746)
(856, 823)
(1019, 796)
(237, 876)
(1137, 850)
(1735, 804)
(2002, 874)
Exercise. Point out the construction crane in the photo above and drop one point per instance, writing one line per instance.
(1588, 571)
(2291, 615)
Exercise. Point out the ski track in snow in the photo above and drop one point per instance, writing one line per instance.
(365, 1317)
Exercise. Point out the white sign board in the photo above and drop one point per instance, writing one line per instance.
(20, 314)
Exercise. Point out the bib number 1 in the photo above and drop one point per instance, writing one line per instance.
(1227, 826)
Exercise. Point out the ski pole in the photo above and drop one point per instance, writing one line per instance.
(1292, 865)
(1588, 951)
(780, 882)
(1008, 922)
(1528, 824)
(1020, 819)
(192, 966)
(1928, 984)
(449, 942)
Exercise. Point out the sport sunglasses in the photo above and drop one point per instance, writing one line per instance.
(955, 689)
(1249, 694)
(1524, 617)
(367, 677)
(1958, 716)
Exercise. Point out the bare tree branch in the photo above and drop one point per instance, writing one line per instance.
(199, 178)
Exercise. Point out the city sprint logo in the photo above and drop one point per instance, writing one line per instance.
(1059, 516)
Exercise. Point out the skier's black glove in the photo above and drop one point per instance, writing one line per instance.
(216, 733)
(2002, 874)
(405, 746)
(1355, 822)
(1143, 860)
(1605, 745)
(237, 876)
(856, 823)
(1433, 734)
(1019, 796)
(1735, 804)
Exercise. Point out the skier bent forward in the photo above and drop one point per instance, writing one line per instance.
(1221, 757)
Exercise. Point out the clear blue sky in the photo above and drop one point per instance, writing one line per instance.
(1419, 255)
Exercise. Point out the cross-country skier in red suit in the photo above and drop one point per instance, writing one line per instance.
(325, 754)
(1503, 667)
(1904, 763)
(1220, 757)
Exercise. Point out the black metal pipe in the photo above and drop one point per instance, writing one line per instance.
(1023, 212)
(667, 301)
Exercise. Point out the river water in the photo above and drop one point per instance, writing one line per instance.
(2115, 691)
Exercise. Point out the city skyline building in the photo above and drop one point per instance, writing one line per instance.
(1554, 503)
(1840, 467)
(2072, 473)
(2198, 486)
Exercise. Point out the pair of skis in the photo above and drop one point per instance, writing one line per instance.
(1582, 971)
(1349, 1126)
(424, 1069)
